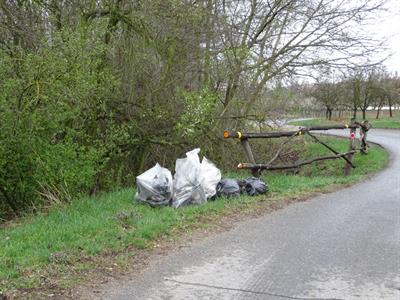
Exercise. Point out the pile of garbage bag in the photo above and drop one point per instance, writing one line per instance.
(194, 182)
(251, 186)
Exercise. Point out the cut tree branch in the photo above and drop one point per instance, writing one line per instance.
(294, 166)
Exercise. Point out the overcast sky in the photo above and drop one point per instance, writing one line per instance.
(389, 26)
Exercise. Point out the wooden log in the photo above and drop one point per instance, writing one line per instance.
(239, 135)
(247, 150)
(296, 165)
(277, 134)
(328, 127)
(364, 144)
(364, 124)
(331, 149)
(349, 157)
(363, 132)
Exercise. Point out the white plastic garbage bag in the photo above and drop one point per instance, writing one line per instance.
(211, 175)
(155, 186)
(194, 182)
(187, 180)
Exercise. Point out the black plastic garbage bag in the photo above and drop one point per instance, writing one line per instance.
(228, 188)
(254, 186)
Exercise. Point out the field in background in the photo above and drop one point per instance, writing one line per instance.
(384, 120)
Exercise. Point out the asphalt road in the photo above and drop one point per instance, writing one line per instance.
(343, 245)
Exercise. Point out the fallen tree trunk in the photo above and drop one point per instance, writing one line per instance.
(278, 134)
(333, 150)
(257, 168)
(252, 166)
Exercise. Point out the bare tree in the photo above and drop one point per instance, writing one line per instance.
(265, 39)
(327, 93)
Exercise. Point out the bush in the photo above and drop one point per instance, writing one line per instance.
(48, 149)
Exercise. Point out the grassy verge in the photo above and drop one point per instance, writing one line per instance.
(55, 250)
(387, 122)
(383, 122)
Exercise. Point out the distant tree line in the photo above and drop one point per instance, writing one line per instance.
(93, 92)
(359, 90)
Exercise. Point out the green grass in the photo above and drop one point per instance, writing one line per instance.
(364, 163)
(387, 122)
(383, 122)
(59, 246)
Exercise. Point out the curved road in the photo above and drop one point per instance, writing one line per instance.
(343, 245)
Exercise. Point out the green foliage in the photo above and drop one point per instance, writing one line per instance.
(197, 113)
(84, 106)
(46, 108)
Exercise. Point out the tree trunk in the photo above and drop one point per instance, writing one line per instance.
(207, 58)
(355, 112)
(378, 112)
(390, 107)
(363, 113)
(231, 89)
(56, 14)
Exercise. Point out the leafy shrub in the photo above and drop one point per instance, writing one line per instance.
(48, 146)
